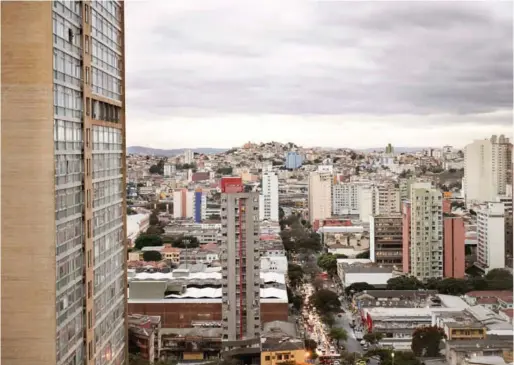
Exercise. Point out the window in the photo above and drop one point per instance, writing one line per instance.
(89, 228)
(87, 75)
(88, 130)
(90, 350)
(89, 258)
(70, 35)
(86, 44)
(89, 320)
(89, 289)
(86, 13)
(267, 358)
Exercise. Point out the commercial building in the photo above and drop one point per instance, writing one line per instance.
(491, 236)
(240, 264)
(453, 245)
(268, 199)
(280, 344)
(486, 168)
(351, 271)
(386, 239)
(320, 196)
(63, 136)
(426, 232)
(293, 160)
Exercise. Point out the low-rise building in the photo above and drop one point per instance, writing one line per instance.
(353, 271)
(279, 344)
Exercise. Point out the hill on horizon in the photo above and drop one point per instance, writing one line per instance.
(139, 150)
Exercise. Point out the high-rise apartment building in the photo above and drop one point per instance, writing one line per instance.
(189, 156)
(63, 136)
(293, 160)
(453, 242)
(380, 199)
(426, 232)
(345, 199)
(268, 199)
(406, 236)
(368, 202)
(491, 236)
(386, 239)
(240, 261)
(183, 204)
(320, 196)
(486, 169)
(200, 206)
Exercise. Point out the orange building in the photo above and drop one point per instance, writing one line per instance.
(453, 246)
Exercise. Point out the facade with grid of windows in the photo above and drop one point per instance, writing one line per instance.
(63, 77)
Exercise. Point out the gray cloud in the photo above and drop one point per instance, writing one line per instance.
(304, 58)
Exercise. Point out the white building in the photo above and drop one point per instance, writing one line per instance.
(277, 264)
(368, 203)
(320, 196)
(189, 156)
(491, 236)
(268, 199)
(169, 170)
(426, 252)
(485, 168)
(345, 198)
(378, 199)
(183, 204)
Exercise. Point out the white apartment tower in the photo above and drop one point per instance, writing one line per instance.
(378, 199)
(268, 200)
(491, 236)
(345, 198)
(426, 255)
(487, 165)
(320, 196)
(240, 261)
(183, 204)
(189, 156)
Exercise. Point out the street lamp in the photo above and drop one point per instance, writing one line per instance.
(392, 357)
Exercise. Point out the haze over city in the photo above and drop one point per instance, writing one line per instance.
(335, 74)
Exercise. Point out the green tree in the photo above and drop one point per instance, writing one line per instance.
(154, 219)
(373, 337)
(186, 242)
(404, 283)
(453, 286)
(363, 255)
(281, 213)
(152, 256)
(338, 334)
(328, 262)
(155, 230)
(499, 279)
(145, 240)
(225, 170)
(358, 287)
(426, 341)
(325, 301)
(295, 274)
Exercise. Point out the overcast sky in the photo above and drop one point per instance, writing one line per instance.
(326, 73)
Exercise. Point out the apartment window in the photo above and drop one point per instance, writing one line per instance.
(267, 358)
(88, 166)
(89, 320)
(87, 75)
(89, 228)
(89, 289)
(90, 350)
(86, 44)
(89, 258)
(70, 35)
(88, 130)
(88, 106)
(86, 13)
(88, 198)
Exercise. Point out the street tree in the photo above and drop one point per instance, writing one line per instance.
(155, 230)
(363, 255)
(499, 279)
(453, 286)
(152, 256)
(338, 334)
(328, 262)
(325, 301)
(358, 287)
(426, 341)
(295, 274)
(373, 337)
(145, 240)
(404, 283)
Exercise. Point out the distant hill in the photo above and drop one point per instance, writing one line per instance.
(138, 150)
(396, 149)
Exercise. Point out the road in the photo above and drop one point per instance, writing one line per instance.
(351, 345)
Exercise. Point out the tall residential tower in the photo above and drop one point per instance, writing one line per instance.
(63, 183)
(240, 261)
(268, 200)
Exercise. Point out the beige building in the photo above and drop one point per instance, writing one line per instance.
(63, 183)
(320, 195)
(426, 247)
(487, 165)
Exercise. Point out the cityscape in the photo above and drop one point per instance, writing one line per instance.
(342, 221)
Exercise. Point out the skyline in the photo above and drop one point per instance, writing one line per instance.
(318, 73)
